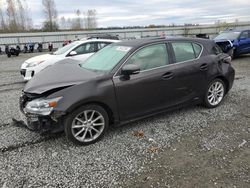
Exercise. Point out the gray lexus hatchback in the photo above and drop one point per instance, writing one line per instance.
(124, 82)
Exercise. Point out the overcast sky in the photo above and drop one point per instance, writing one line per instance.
(146, 12)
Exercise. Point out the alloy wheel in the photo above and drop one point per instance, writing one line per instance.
(88, 126)
(215, 93)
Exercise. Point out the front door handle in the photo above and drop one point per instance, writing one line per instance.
(204, 67)
(167, 76)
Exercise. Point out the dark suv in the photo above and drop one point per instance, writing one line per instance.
(124, 82)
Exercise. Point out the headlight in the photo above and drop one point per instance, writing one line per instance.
(34, 64)
(41, 106)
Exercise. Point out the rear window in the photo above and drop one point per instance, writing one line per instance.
(185, 51)
(197, 49)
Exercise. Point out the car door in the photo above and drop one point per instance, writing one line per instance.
(190, 71)
(244, 42)
(150, 90)
(84, 51)
(248, 43)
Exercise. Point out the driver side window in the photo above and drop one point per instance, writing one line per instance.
(85, 48)
(150, 57)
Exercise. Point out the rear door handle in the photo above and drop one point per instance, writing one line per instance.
(204, 67)
(167, 76)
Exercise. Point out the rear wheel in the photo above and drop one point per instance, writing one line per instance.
(86, 125)
(215, 93)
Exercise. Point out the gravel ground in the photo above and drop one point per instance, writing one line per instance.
(191, 147)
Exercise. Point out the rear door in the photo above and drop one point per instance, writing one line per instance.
(190, 71)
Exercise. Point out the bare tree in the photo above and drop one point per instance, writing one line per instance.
(90, 19)
(12, 16)
(50, 12)
(63, 24)
(76, 23)
(2, 18)
(69, 23)
(22, 21)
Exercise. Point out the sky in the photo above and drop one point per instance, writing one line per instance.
(146, 12)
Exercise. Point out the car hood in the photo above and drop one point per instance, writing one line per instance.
(222, 40)
(43, 57)
(63, 74)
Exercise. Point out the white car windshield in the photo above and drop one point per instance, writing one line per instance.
(64, 49)
(106, 59)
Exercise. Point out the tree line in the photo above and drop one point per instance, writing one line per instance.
(15, 17)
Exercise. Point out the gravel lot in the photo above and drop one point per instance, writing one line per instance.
(191, 147)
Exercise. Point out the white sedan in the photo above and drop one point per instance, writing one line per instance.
(79, 50)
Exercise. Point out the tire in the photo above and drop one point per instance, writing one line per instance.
(215, 93)
(82, 132)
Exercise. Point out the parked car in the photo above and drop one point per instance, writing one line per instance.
(80, 50)
(236, 41)
(202, 35)
(124, 82)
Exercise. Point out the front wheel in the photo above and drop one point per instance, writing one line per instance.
(86, 125)
(215, 93)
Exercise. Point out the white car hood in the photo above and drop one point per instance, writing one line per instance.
(44, 57)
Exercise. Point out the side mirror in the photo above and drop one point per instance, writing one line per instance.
(130, 69)
(73, 53)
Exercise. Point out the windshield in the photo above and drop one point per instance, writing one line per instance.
(228, 35)
(66, 48)
(106, 59)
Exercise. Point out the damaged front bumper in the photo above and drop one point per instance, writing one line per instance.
(40, 123)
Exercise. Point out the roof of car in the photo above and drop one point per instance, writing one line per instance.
(96, 40)
(141, 42)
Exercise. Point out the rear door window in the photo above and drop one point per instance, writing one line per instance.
(184, 51)
(101, 45)
(197, 49)
(85, 48)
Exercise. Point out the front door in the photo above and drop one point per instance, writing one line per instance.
(150, 90)
(244, 42)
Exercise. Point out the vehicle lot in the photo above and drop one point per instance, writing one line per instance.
(185, 148)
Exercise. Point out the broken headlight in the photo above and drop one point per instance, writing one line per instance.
(41, 106)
